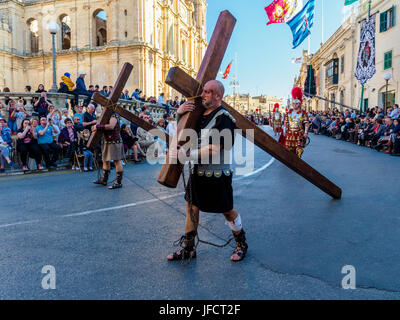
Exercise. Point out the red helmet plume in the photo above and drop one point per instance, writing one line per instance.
(276, 106)
(297, 95)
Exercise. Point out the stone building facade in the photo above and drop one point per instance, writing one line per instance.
(336, 60)
(247, 103)
(98, 37)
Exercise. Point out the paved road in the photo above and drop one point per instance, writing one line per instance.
(112, 244)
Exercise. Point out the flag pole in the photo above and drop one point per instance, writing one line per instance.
(362, 86)
(322, 28)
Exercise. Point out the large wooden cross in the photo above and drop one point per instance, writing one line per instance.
(111, 107)
(189, 87)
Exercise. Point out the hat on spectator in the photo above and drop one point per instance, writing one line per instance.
(82, 73)
(67, 74)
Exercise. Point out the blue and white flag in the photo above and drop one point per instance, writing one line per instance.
(302, 23)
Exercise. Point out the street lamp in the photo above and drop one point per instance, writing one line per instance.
(387, 76)
(53, 28)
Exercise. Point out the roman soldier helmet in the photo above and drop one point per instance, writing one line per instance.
(297, 95)
(276, 106)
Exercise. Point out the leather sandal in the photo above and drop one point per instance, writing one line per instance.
(241, 246)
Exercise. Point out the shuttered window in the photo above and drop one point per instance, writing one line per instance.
(387, 19)
(388, 60)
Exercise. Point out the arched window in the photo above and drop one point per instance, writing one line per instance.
(65, 22)
(100, 28)
(33, 29)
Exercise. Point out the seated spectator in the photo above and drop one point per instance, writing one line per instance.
(384, 140)
(83, 149)
(64, 116)
(40, 89)
(89, 117)
(67, 86)
(27, 144)
(12, 120)
(79, 113)
(395, 112)
(5, 132)
(316, 124)
(42, 105)
(125, 95)
(348, 127)
(394, 135)
(49, 148)
(353, 132)
(68, 139)
(376, 132)
(131, 142)
(81, 89)
(5, 144)
(4, 154)
(145, 139)
(105, 91)
(77, 124)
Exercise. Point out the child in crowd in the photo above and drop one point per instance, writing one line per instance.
(88, 159)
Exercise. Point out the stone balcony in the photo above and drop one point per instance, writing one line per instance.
(59, 101)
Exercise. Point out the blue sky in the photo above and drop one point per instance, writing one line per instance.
(265, 52)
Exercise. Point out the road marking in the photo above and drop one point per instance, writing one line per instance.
(129, 205)
(84, 213)
(257, 171)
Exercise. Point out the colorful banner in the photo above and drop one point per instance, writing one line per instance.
(366, 55)
(348, 2)
(302, 23)
(227, 71)
(280, 11)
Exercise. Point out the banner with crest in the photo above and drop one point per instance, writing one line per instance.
(366, 55)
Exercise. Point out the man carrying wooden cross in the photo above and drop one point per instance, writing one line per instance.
(112, 149)
(210, 184)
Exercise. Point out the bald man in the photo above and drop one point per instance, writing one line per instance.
(210, 181)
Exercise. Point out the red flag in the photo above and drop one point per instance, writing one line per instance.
(277, 11)
(227, 71)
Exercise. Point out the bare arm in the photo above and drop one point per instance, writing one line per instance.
(42, 132)
(112, 124)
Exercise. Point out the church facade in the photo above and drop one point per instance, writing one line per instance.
(98, 37)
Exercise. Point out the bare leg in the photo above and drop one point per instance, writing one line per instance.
(106, 165)
(190, 226)
(118, 166)
(230, 217)
(135, 152)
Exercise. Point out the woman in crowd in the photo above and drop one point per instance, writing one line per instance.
(131, 142)
(68, 139)
(27, 144)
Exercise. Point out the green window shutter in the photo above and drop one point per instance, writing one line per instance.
(383, 24)
(393, 16)
(388, 60)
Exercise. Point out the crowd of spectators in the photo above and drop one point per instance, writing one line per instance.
(49, 134)
(372, 128)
